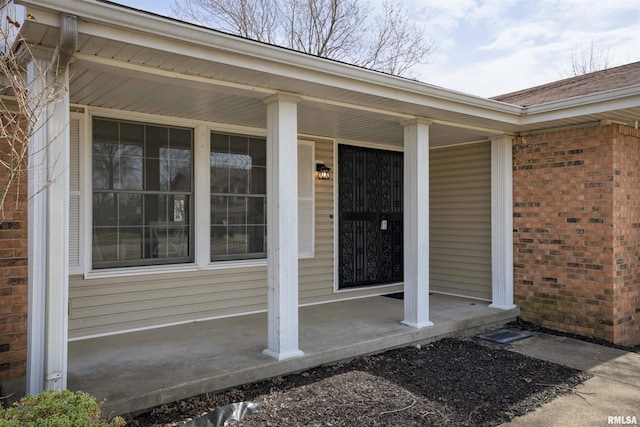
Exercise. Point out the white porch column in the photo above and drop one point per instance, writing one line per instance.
(416, 223)
(282, 226)
(502, 222)
(48, 237)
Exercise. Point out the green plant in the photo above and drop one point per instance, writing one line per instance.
(56, 409)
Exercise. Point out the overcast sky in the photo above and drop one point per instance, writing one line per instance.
(491, 47)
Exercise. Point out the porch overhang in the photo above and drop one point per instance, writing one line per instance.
(168, 67)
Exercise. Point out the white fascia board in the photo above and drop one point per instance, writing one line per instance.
(153, 31)
(593, 103)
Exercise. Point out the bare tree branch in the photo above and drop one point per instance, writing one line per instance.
(337, 29)
(588, 59)
(24, 106)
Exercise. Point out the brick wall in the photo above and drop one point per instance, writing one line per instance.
(13, 277)
(576, 229)
(626, 250)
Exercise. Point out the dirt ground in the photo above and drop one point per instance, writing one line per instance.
(461, 382)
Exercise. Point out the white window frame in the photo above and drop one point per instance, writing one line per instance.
(201, 194)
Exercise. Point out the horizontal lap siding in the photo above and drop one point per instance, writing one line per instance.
(110, 305)
(460, 220)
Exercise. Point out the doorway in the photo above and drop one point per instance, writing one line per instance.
(370, 205)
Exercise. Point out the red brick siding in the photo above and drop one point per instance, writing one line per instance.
(13, 276)
(574, 236)
(626, 286)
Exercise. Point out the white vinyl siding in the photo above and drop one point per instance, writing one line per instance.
(460, 220)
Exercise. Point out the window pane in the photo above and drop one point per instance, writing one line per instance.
(130, 243)
(129, 209)
(105, 244)
(256, 239)
(237, 240)
(117, 155)
(218, 240)
(238, 169)
(220, 143)
(219, 179)
(258, 151)
(152, 222)
(239, 181)
(237, 210)
(219, 210)
(258, 182)
(105, 212)
(255, 211)
(238, 145)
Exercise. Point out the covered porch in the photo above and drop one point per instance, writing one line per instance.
(139, 370)
(203, 83)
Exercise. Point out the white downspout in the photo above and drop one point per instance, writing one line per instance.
(49, 222)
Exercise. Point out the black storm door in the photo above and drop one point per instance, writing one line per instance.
(370, 216)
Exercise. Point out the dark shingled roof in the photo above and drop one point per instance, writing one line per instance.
(611, 78)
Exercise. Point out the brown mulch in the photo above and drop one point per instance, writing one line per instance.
(449, 382)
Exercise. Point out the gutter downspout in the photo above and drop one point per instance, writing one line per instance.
(48, 223)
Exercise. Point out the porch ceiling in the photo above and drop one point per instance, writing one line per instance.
(133, 70)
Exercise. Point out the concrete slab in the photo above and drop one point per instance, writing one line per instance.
(139, 370)
(614, 391)
(591, 404)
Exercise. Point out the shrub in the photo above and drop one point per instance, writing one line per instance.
(56, 409)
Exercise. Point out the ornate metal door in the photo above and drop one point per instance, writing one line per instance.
(370, 216)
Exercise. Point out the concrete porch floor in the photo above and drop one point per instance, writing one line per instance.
(139, 370)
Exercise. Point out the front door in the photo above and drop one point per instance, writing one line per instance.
(370, 216)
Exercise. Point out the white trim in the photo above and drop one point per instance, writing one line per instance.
(201, 229)
(502, 222)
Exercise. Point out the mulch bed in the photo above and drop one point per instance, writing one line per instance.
(449, 382)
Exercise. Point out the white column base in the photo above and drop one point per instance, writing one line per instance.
(417, 325)
(282, 355)
(503, 307)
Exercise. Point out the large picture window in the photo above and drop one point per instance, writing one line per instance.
(142, 194)
(238, 197)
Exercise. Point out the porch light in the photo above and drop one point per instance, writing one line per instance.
(323, 172)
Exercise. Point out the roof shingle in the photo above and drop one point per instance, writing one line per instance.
(599, 81)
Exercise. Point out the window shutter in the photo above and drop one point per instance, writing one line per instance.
(75, 266)
(306, 204)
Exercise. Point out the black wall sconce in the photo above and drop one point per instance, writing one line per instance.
(322, 172)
